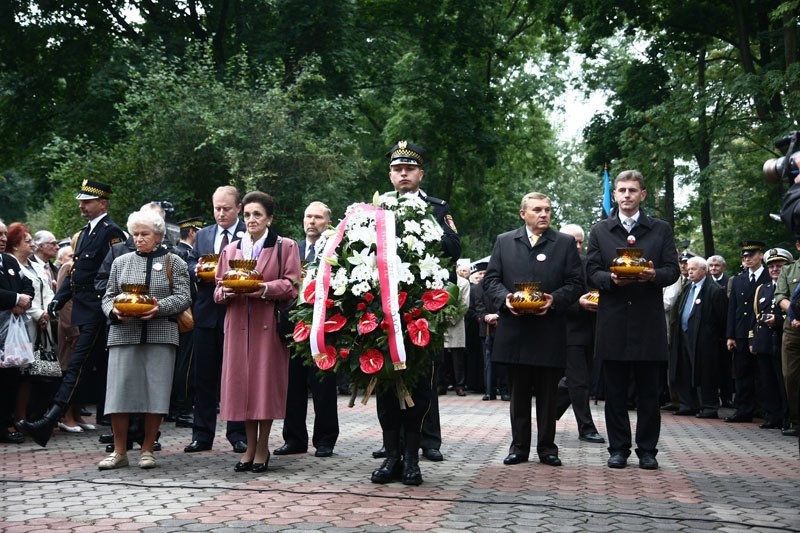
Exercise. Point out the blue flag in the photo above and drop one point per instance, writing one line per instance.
(606, 193)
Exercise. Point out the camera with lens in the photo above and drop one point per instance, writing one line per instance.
(784, 169)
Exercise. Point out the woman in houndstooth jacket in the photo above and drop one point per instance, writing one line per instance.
(141, 350)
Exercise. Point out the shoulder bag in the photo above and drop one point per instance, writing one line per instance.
(185, 318)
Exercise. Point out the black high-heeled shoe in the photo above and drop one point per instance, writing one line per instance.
(243, 467)
(261, 467)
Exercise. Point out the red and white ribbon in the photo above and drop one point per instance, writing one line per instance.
(387, 278)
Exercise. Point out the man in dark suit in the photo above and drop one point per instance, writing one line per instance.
(579, 355)
(740, 321)
(631, 331)
(697, 332)
(406, 171)
(716, 271)
(302, 378)
(92, 244)
(534, 344)
(209, 321)
(16, 294)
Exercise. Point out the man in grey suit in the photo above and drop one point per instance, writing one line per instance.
(533, 345)
(209, 319)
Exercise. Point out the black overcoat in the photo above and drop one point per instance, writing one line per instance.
(555, 263)
(630, 318)
(705, 334)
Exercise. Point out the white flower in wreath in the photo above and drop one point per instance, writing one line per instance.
(387, 201)
(429, 267)
(419, 247)
(362, 257)
(361, 273)
(339, 282)
(412, 226)
(362, 234)
(408, 241)
(436, 284)
(431, 231)
(404, 273)
(360, 289)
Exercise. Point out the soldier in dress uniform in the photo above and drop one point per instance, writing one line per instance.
(189, 229)
(92, 244)
(406, 171)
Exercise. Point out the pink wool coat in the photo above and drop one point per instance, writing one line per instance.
(255, 364)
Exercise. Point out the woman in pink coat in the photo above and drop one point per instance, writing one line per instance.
(255, 364)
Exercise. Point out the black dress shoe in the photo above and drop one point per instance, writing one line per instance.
(460, 392)
(432, 454)
(617, 460)
(104, 421)
(110, 447)
(12, 437)
(85, 412)
(790, 432)
(243, 467)
(647, 461)
(505, 397)
(550, 460)
(184, 421)
(380, 453)
(485, 398)
(106, 438)
(323, 451)
(685, 412)
(258, 468)
(670, 407)
(289, 449)
(739, 418)
(239, 446)
(770, 425)
(707, 414)
(593, 437)
(515, 459)
(198, 446)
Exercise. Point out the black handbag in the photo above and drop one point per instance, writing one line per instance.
(45, 359)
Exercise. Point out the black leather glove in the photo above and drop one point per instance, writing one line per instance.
(53, 308)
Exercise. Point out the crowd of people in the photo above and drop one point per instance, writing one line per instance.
(681, 335)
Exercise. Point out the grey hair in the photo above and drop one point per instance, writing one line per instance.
(572, 229)
(717, 258)
(41, 236)
(62, 252)
(698, 261)
(154, 206)
(148, 218)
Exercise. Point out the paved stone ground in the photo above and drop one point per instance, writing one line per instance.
(713, 476)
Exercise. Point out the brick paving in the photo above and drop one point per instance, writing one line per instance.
(713, 476)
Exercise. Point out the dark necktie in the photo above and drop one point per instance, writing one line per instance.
(752, 279)
(224, 241)
(311, 255)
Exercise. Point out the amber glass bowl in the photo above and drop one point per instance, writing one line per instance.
(134, 300)
(243, 276)
(207, 267)
(629, 263)
(527, 297)
(594, 296)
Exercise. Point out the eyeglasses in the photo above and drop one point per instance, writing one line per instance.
(51, 242)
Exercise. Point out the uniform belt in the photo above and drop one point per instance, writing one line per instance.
(83, 287)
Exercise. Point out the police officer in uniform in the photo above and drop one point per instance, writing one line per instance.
(406, 162)
(92, 244)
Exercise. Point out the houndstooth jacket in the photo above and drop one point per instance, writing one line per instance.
(137, 268)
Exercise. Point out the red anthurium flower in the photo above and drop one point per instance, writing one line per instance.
(385, 325)
(344, 353)
(416, 312)
(367, 323)
(361, 306)
(434, 300)
(407, 317)
(301, 332)
(368, 297)
(418, 332)
(328, 303)
(325, 361)
(371, 361)
(309, 293)
(335, 323)
(401, 299)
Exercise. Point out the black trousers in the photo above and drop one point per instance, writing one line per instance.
(744, 372)
(646, 375)
(303, 378)
(9, 383)
(208, 343)
(578, 372)
(525, 381)
(431, 438)
(410, 419)
(90, 351)
(183, 378)
(773, 388)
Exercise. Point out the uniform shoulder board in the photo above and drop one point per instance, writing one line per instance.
(116, 240)
(437, 201)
